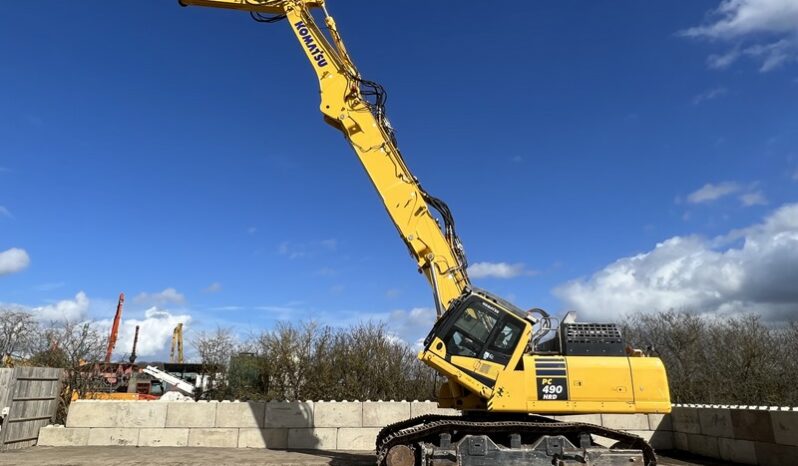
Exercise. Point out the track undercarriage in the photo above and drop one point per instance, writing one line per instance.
(529, 440)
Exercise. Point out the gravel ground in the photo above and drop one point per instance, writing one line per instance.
(192, 456)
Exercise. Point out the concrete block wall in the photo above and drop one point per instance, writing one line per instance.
(319, 425)
(324, 425)
(730, 433)
(654, 428)
(737, 434)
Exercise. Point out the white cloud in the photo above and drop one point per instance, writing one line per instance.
(710, 94)
(214, 287)
(4, 212)
(723, 60)
(748, 270)
(169, 295)
(299, 250)
(277, 309)
(774, 55)
(741, 20)
(286, 248)
(13, 260)
(330, 244)
(710, 192)
(252, 230)
(228, 308)
(753, 198)
(749, 195)
(495, 270)
(49, 286)
(795, 176)
(288, 311)
(72, 310)
(337, 289)
(410, 326)
(327, 272)
(155, 333)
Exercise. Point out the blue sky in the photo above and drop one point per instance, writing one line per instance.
(177, 154)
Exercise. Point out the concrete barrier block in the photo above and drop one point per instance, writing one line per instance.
(785, 427)
(685, 420)
(680, 441)
(625, 421)
(191, 414)
(121, 436)
(737, 451)
(364, 438)
(644, 434)
(251, 414)
(84, 413)
(60, 436)
(320, 438)
(420, 408)
(263, 438)
(289, 414)
(382, 413)
(661, 440)
(603, 441)
(752, 425)
(219, 438)
(337, 414)
(703, 445)
(660, 422)
(584, 418)
(716, 422)
(772, 454)
(163, 437)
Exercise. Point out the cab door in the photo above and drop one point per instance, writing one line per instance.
(481, 341)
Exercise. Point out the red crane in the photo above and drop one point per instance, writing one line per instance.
(115, 328)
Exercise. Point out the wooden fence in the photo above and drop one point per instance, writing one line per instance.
(31, 396)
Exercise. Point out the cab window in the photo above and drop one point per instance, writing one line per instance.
(470, 332)
(484, 333)
(504, 342)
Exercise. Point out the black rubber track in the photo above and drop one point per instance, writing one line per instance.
(429, 427)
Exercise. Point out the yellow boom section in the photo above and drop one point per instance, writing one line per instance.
(438, 255)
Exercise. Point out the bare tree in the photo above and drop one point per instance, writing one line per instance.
(75, 347)
(18, 330)
(215, 350)
(729, 360)
(68, 344)
(309, 361)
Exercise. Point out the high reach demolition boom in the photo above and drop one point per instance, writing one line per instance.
(501, 363)
(355, 106)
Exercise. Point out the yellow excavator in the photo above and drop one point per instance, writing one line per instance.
(505, 367)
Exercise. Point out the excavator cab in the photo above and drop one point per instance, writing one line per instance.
(479, 327)
(498, 357)
(476, 339)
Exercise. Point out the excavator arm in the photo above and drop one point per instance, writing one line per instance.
(494, 360)
(345, 106)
